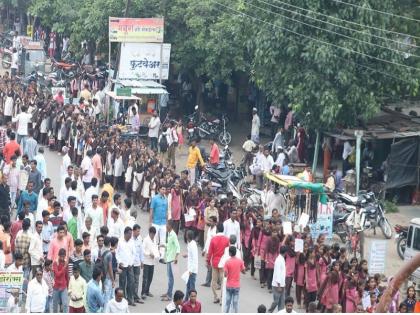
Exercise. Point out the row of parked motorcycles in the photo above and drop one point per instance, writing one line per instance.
(198, 125)
(373, 209)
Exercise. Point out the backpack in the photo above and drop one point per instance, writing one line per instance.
(163, 143)
(99, 263)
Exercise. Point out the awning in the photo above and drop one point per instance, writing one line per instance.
(113, 95)
(146, 91)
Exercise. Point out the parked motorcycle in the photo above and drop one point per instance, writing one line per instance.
(6, 60)
(374, 212)
(401, 237)
(224, 177)
(215, 128)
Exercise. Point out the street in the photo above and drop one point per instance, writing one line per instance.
(251, 295)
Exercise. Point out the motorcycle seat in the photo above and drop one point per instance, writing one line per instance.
(220, 173)
(350, 198)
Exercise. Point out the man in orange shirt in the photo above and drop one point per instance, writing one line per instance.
(97, 165)
(10, 148)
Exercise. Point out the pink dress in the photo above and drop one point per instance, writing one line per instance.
(351, 295)
(330, 296)
(322, 270)
(262, 245)
(180, 135)
(290, 265)
(311, 283)
(270, 259)
(300, 275)
(175, 206)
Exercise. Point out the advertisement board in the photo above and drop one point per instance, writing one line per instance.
(9, 281)
(133, 30)
(143, 61)
(324, 221)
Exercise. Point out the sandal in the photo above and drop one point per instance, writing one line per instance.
(216, 301)
(165, 299)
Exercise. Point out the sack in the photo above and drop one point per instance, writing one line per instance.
(257, 262)
(163, 144)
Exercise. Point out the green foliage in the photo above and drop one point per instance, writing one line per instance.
(390, 206)
(329, 85)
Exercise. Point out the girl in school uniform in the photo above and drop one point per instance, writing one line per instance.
(271, 253)
(351, 297)
(290, 258)
(300, 275)
(255, 236)
(261, 248)
(324, 261)
(329, 291)
(311, 279)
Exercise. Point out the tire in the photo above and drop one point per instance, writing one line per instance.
(385, 228)
(242, 184)
(225, 138)
(201, 134)
(6, 61)
(401, 244)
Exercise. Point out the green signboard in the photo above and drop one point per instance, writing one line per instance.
(126, 91)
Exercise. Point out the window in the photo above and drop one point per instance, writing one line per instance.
(416, 239)
(410, 236)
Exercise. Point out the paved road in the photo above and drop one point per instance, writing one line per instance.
(251, 294)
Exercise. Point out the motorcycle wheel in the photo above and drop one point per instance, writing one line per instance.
(201, 134)
(385, 228)
(6, 61)
(401, 244)
(225, 138)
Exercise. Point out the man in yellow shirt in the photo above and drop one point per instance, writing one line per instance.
(194, 156)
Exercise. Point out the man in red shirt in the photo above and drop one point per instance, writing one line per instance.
(216, 250)
(214, 153)
(61, 281)
(192, 305)
(233, 268)
(10, 148)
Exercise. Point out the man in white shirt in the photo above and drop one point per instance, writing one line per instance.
(66, 162)
(347, 151)
(43, 203)
(65, 192)
(125, 258)
(279, 281)
(37, 294)
(255, 128)
(275, 118)
(211, 231)
(117, 304)
(115, 224)
(153, 134)
(15, 63)
(92, 190)
(280, 157)
(289, 306)
(87, 169)
(231, 227)
(192, 261)
(151, 255)
(22, 119)
(138, 261)
(96, 213)
(35, 248)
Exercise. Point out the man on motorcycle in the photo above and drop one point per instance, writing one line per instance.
(355, 222)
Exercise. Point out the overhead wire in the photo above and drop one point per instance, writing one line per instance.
(349, 22)
(378, 11)
(333, 24)
(327, 30)
(242, 14)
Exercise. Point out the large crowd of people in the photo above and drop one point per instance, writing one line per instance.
(82, 248)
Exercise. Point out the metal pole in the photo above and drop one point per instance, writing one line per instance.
(316, 153)
(359, 135)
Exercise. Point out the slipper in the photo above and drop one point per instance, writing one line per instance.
(166, 299)
(216, 301)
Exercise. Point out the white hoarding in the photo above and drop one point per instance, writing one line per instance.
(143, 61)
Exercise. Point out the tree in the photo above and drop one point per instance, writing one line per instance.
(331, 84)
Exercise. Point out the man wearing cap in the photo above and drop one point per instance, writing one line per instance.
(255, 129)
(154, 125)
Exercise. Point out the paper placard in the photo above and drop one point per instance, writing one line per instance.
(366, 302)
(303, 220)
(287, 228)
(299, 245)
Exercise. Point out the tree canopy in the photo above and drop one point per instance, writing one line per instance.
(334, 61)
